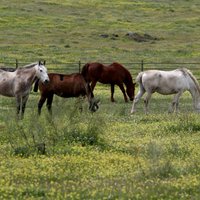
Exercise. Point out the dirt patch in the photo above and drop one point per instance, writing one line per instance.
(140, 37)
(132, 36)
(111, 36)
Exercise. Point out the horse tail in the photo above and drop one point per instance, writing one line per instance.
(139, 80)
(84, 72)
(35, 89)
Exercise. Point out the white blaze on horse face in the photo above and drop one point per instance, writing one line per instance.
(42, 73)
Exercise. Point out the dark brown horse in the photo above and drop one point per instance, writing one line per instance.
(63, 85)
(114, 74)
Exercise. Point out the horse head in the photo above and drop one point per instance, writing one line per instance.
(41, 72)
(130, 90)
(93, 107)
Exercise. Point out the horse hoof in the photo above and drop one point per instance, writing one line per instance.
(133, 111)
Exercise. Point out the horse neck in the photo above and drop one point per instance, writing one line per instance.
(194, 89)
(128, 81)
(28, 74)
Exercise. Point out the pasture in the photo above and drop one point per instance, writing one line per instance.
(109, 154)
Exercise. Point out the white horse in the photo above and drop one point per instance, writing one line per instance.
(166, 83)
(18, 83)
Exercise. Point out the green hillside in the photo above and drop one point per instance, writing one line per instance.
(69, 31)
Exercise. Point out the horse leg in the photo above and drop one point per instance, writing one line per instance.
(93, 84)
(49, 103)
(175, 102)
(137, 98)
(18, 102)
(112, 92)
(23, 106)
(123, 91)
(41, 102)
(146, 101)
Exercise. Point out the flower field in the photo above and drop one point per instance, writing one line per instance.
(109, 154)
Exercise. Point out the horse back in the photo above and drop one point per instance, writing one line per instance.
(114, 73)
(163, 82)
(8, 84)
(92, 71)
(64, 85)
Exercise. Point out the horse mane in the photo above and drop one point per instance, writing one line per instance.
(188, 72)
(128, 78)
(28, 66)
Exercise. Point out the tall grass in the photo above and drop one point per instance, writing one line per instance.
(43, 134)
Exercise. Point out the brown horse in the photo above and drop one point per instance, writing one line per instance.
(63, 85)
(114, 74)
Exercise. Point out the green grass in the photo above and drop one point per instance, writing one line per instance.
(70, 30)
(109, 154)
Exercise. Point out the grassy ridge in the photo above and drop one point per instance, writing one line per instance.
(70, 30)
(109, 154)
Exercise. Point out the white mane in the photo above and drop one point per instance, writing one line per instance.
(188, 72)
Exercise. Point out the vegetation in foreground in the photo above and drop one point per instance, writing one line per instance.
(109, 154)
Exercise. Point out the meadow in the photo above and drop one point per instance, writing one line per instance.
(109, 154)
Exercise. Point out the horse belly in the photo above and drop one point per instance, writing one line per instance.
(166, 91)
(161, 88)
(107, 80)
(70, 93)
(169, 87)
(104, 81)
(6, 90)
(66, 95)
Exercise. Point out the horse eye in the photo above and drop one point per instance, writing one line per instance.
(40, 70)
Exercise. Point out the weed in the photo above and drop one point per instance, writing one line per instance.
(186, 123)
(163, 170)
(88, 132)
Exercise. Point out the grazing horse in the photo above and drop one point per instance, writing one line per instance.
(166, 83)
(114, 74)
(66, 86)
(18, 83)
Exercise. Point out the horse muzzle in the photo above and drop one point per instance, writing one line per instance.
(131, 99)
(46, 81)
(94, 105)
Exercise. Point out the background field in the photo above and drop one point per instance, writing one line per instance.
(109, 154)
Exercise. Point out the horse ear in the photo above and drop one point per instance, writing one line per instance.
(44, 62)
(39, 62)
